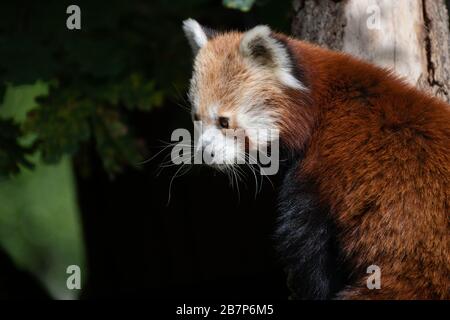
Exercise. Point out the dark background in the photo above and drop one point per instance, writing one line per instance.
(208, 242)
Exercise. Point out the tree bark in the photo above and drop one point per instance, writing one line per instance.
(409, 36)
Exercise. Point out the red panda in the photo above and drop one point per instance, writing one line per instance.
(368, 180)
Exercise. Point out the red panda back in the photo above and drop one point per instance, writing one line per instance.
(380, 157)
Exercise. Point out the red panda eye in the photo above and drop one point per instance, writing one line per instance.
(224, 122)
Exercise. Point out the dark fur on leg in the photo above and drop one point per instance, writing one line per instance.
(306, 242)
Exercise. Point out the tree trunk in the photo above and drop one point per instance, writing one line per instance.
(409, 36)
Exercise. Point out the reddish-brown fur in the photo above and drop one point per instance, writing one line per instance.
(378, 150)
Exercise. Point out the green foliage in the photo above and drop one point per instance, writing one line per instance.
(12, 154)
(39, 221)
(99, 75)
(127, 59)
(113, 142)
(70, 117)
(243, 5)
(61, 123)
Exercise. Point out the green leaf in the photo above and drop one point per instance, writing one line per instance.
(12, 153)
(15, 147)
(242, 5)
(61, 123)
(113, 142)
(133, 92)
(70, 118)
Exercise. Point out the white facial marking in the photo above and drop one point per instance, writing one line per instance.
(220, 147)
(279, 54)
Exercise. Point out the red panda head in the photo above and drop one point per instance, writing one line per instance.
(240, 81)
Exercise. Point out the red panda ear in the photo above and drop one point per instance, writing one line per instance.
(196, 34)
(261, 48)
